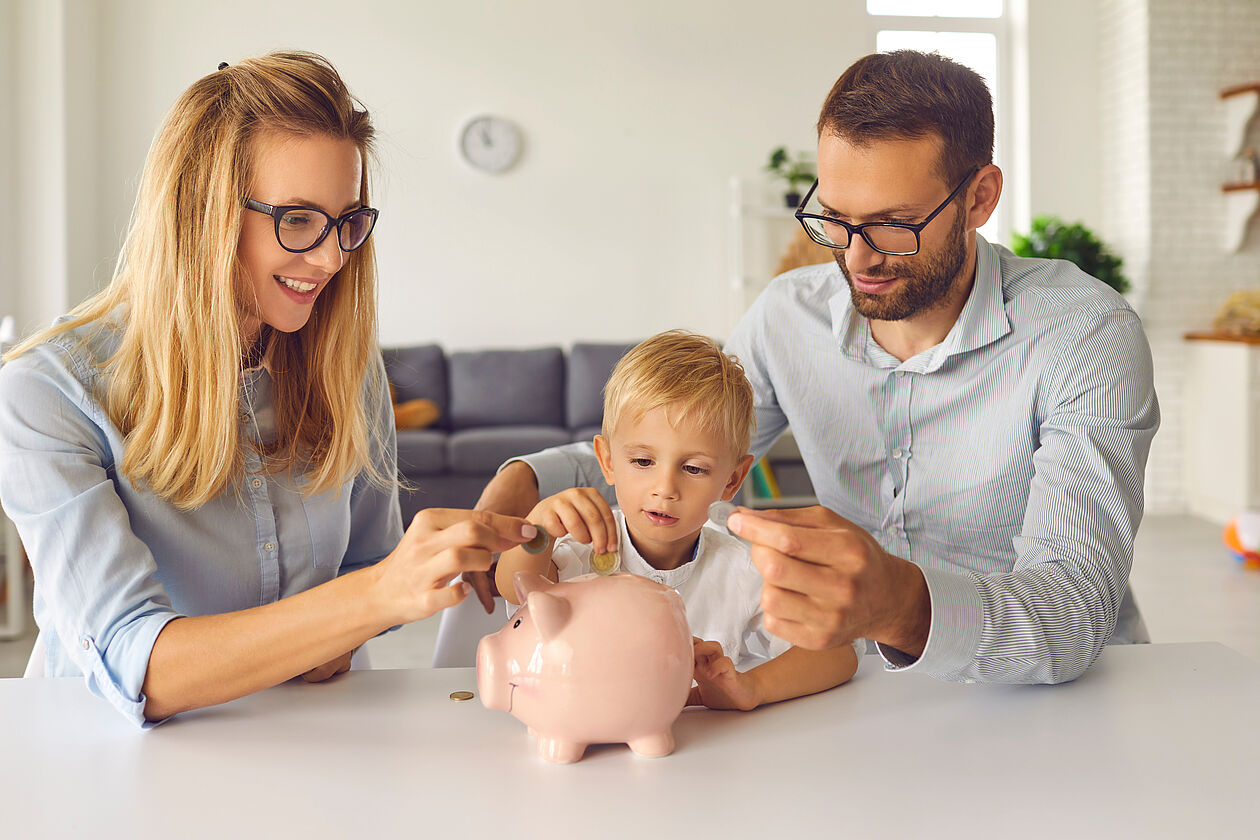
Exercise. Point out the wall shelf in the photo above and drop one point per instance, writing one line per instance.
(1240, 106)
(1241, 198)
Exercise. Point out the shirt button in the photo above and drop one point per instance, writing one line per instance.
(256, 483)
(269, 546)
(901, 374)
(244, 418)
(891, 530)
(897, 453)
(86, 644)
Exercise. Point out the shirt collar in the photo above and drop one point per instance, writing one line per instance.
(632, 561)
(983, 319)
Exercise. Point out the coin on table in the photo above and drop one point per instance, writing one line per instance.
(606, 563)
(461, 695)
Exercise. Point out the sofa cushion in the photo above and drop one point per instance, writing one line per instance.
(421, 451)
(507, 387)
(589, 368)
(481, 450)
(419, 373)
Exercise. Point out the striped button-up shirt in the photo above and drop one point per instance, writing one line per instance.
(1006, 462)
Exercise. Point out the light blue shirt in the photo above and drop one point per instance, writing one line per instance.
(114, 563)
(1007, 462)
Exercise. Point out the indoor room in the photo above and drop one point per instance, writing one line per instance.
(558, 180)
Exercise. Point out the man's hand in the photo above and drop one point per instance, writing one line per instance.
(514, 491)
(827, 581)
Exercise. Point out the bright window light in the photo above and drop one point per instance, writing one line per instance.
(977, 50)
(936, 8)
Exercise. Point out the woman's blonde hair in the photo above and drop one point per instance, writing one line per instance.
(689, 376)
(174, 382)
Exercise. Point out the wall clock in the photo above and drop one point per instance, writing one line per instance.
(490, 143)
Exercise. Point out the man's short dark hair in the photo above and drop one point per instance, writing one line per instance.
(906, 95)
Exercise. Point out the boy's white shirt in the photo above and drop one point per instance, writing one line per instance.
(720, 587)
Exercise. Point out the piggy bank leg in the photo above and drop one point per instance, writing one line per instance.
(653, 746)
(560, 751)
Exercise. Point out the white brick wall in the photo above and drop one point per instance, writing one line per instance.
(1162, 66)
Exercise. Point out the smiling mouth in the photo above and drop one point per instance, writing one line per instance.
(660, 518)
(299, 286)
(511, 696)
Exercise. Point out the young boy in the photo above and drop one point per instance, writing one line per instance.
(678, 414)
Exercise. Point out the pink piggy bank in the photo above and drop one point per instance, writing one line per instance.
(593, 660)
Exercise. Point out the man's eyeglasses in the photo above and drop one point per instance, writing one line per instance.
(892, 238)
(300, 229)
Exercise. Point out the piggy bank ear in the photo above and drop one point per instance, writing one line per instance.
(550, 613)
(527, 582)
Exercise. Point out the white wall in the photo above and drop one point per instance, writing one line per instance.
(8, 158)
(614, 225)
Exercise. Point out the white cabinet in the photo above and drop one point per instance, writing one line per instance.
(1222, 426)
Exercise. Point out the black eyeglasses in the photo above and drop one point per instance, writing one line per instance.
(892, 238)
(300, 229)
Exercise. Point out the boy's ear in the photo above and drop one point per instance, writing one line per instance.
(604, 453)
(737, 477)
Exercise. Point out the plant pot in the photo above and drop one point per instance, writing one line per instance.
(792, 199)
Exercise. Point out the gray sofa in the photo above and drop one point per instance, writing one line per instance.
(493, 405)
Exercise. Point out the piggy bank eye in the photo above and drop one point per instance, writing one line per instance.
(516, 624)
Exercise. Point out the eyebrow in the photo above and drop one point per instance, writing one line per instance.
(306, 202)
(898, 209)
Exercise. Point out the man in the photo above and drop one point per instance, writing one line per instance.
(975, 425)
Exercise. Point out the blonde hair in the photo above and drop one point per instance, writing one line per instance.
(174, 382)
(689, 376)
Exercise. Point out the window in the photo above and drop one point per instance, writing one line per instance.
(973, 33)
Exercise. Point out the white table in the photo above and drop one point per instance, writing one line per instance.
(1154, 741)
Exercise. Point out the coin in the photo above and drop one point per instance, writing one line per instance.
(606, 563)
(459, 696)
(538, 543)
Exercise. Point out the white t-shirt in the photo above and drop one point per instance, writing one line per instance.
(720, 587)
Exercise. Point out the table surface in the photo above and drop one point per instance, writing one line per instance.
(1153, 741)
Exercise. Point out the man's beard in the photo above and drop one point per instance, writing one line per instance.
(927, 280)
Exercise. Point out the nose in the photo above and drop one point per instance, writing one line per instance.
(327, 255)
(666, 485)
(860, 257)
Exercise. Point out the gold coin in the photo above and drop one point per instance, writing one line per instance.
(461, 695)
(606, 563)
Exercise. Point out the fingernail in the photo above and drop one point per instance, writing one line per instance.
(465, 589)
(734, 521)
(529, 531)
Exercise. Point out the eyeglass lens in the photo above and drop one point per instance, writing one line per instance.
(887, 238)
(300, 228)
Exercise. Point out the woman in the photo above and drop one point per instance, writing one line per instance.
(200, 459)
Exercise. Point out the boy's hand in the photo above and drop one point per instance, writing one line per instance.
(580, 512)
(718, 684)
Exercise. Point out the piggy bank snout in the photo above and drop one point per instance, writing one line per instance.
(491, 684)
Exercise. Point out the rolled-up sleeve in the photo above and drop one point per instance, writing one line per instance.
(94, 577)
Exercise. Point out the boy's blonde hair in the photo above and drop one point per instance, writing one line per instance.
(174, 383)
(689, 376)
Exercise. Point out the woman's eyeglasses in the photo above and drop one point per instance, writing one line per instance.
(300, 229)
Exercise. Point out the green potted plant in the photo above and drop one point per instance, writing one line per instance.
(797, 173)
(1053, 239)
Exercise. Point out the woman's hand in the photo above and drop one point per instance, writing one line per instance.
(718, 684)
(413, 581)
(330, 669)
(580, 512)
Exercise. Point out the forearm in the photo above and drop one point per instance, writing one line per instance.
(797, 672)
(513, 491)
(204, 660)
(519, 560)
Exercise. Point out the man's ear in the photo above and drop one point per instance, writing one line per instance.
(985, 190)
(737, 477)
(604, 453)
